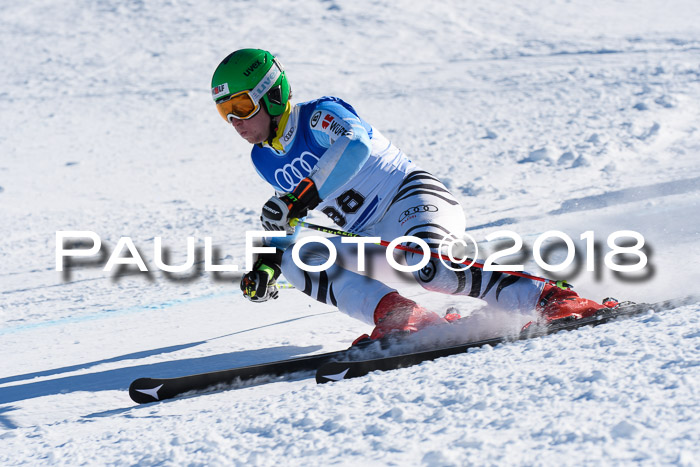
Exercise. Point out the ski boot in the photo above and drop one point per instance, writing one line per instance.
(612, 303)
(556, 303)
(397, 315)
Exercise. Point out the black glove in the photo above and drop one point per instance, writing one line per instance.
(259, 285)
(278, 210)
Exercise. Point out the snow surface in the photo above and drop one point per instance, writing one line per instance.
(539, 115)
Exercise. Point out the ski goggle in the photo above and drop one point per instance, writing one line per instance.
(245, 104)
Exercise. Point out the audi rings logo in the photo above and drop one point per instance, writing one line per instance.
(289, 176)
(416, 210)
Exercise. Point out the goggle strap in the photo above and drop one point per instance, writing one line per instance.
(267, 82)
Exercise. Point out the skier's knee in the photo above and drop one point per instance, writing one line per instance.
(426, 275)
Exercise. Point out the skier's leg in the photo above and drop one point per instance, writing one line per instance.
(354, 294)
(425, 209)
(357, 295)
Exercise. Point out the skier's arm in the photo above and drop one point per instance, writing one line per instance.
(348, 148)
(348, 145)
(282, 243)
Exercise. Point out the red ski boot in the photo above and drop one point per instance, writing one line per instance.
(557, 303)
(397, 314)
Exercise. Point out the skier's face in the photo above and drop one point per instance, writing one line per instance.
(255, 129)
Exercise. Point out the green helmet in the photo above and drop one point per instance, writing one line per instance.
(244, 70)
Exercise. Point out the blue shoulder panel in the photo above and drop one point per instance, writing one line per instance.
(285, 171)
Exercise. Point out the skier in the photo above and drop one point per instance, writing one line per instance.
(321, 155)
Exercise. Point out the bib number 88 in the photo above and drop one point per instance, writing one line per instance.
(348, 202)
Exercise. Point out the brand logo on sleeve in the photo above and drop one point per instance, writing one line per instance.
(314, 118)
(337, 129)
(331, 125)
(327, 121)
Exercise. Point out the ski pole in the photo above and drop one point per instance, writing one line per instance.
(294, 222)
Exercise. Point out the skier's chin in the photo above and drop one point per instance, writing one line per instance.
(251, 138)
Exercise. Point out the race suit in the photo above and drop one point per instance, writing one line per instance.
(370, 187)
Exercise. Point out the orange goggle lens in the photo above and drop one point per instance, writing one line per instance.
(239, 106)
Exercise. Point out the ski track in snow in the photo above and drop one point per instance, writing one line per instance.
(537, 115)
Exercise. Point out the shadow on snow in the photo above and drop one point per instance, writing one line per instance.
(120, 378)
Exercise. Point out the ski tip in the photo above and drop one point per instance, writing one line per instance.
(145, 390)
(333, 371)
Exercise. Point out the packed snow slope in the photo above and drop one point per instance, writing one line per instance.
(539, 115)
